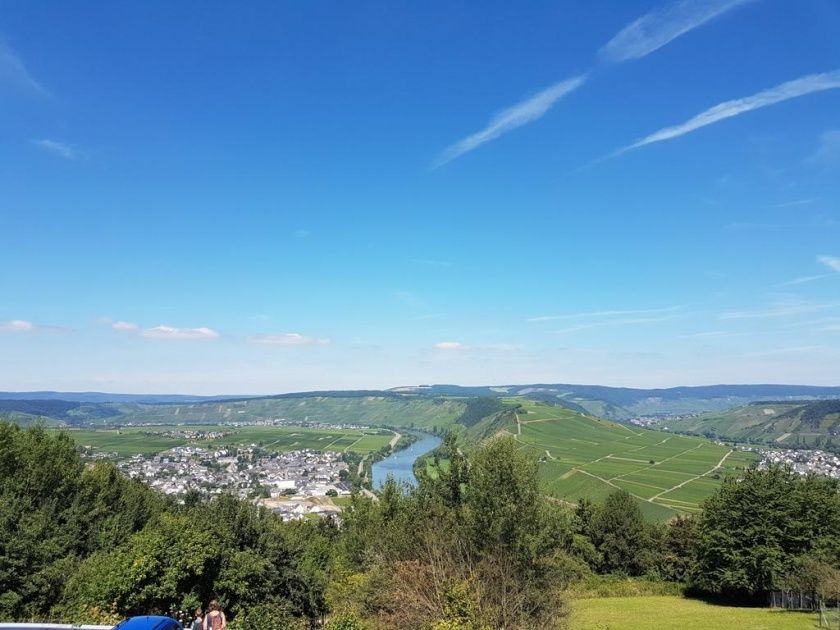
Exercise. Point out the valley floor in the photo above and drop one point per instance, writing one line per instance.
(680, 613)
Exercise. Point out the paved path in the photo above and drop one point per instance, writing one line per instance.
(395, 439)
(680, 485)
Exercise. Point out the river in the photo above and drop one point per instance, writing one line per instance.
(400, 465)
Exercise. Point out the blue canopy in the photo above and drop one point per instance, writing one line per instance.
(149, 623)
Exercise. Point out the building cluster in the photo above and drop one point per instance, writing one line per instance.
(188, 434)
(803, 462)
(247, 472)
(645, 421)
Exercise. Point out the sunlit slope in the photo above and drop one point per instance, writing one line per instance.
(582, 457)
(813, 423)
(149, 440)
(422, 413)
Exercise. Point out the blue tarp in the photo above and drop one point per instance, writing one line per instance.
(149, 623)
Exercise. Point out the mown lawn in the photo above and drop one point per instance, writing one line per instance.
(679, 613)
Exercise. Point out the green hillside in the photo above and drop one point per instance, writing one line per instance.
(149, 440)
(782, 423)
(583, 457)
(385, 410)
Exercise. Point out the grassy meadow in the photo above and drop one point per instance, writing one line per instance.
(680, 613)
(586, 457)
(148, 440)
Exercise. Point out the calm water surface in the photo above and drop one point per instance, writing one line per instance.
(400, 465)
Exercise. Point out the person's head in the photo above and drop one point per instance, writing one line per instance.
(199, 612)
(214, 605)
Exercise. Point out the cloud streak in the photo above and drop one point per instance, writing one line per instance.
(13, 72)
(728, 109)
(636, 40)
(786, 309)
(288, 339)
(832, 262)
(60, 149)
(457, 346)
(654, 30)
(17, 325)
(170, 332)
(828, 150)
(602, 314)
(125, 326)
(25, 326)
(522, 113)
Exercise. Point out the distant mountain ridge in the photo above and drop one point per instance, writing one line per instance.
(617, 403)
(103, 397)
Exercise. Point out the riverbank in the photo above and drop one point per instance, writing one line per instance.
(400, 464)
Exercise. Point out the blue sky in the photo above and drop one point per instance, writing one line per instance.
(278, 196)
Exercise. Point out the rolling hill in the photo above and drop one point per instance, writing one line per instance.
(621, 403)
(583, 457)
(424, 406)
(781, 422)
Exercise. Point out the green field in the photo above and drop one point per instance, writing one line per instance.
(421, 413)
(585, 457)
(148, 440)
(679, 613)
(783, 424)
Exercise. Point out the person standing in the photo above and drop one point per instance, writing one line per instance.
(215, 618)
(198, 622)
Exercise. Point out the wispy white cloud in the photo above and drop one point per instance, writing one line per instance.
(803, 280)
(60, 149)
(638, 39)
(661, 26)
(711, 334)
(171, 332)
(409, 298)
(792, 89)
(832, 262)
(125, 326)
(784, 351)
(17, 325)
(13, 72)
(427, 317)
(795, 202)
(602, 314)
(26, 326)
(524, 112)
(828, 148)
(457, 346)
(288, 339)
(451, 345)
(782, 309)
(629, 321)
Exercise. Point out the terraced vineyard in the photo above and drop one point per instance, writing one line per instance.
(148, 440)
(585, 457)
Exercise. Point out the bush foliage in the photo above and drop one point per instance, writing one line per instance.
(477, 547)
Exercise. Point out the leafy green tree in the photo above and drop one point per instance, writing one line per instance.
(620, 533)
(754, 529)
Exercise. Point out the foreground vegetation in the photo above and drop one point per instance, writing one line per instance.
(477, 547)
(680, 613)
